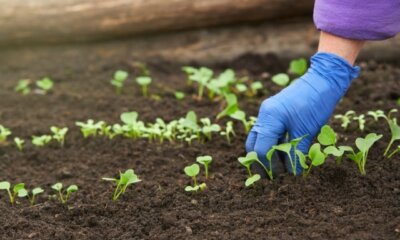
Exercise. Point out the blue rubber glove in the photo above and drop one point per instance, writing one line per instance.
(302, 108)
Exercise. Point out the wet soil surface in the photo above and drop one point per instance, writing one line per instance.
(335, 202)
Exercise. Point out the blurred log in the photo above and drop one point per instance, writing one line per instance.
(55, 21)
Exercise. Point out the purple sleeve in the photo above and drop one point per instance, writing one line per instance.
(358, 19)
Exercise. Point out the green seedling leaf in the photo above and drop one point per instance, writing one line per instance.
(327, 136)
(204, 160)
(364, 144)
(41, 141)
(125, 179)
(316, 155)
(4, 133)
(240, 87)
(281, 79)
(45, 84)
(192, 170)
(118, 80)
(298, 66)
(179, 95)
(251, 180)
(129, 118)
(144, 82)
(59, 134)
(37, 190)
(302, 159)
(64, 196)
(192, 189)
(395, 133)
(23, 86)
(57, 186)
(232, 106)
(4, 185)
(19, 143)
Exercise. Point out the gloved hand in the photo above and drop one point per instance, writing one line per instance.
(302, 108)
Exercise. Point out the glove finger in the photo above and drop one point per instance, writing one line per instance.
(251, 141)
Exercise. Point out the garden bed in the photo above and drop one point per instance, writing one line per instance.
(334, 202)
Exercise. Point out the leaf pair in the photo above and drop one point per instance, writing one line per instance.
(125, 179)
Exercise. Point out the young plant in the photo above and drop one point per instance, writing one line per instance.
(231, 106)
(327, 138)
(376, 114)
(251, 158)
(281, 79)
(18, 190)
(205, 161)
(45, 85)
(31, 197)
(255, 87)
(202, 76)
(192, 171)
(118, 80)
(209, 128)
(298, 66)
(59, 134)
(19, 143)
(23, 86)
(288, 148)
(144, 82)
(64, 196)
(179, 95)
(316, 157)
(241, 116)
(41, 141)
(4, 133)
(125, 179)
(394, 130)
(228, 132)
(346, 118)
(90, 128)
(363, 145)
(361, 121)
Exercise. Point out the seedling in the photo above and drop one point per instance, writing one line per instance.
(376, 114)
(125, 179)
(316, 156)
(255, 87)
(144, 82)
(232, 106)
(90, 128)
(192, 171)
(118, 80)
(31, 197)
(179, 95)
(298, 66)
(204, 160)
(64, 196)
(241, 116)
(4, 133)
(361, 121)
(363, 145)
(19, 143)
(281, 79)
(209, 128)
(23, 86)
(346, 118)
(59, 134)
(250, 158)
(45, 85)
(250, 181)
(18, 190)
(202, 76)
(221, 85)
(228, 131)
(394, 130)
(288, 148)
(41, 141)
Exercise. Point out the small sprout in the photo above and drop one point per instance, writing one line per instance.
(251, 180)
(204, 160)
(337, 152)
(19, 143)
(298, 66)
(90, 128)
(327, 136)
(394, 130)
(202, 76)
(118, 80)
(240, 87)
(192, 171)
(232, 106)
(346, 118)
(287, 148)
(4, 133)
(376, 114)
(249, 159)
(32, 196)
(23, 86)
(179, 95)
(241, 116)
(363, 144)
(59, 134)
(316, 156)
(255, 87)
(209, 128)
(45, 85)
(144, 82)
(125, 179)
(64, 196)
(361, 121)
(281, 79)
(41, 141)
(228, 131)
(18, 190)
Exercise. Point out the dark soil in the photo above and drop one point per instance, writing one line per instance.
(335, 202)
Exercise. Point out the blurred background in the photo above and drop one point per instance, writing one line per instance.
(205, 31)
